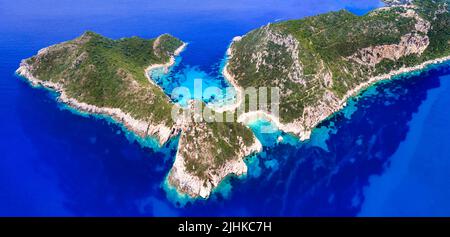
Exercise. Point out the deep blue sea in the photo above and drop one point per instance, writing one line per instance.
(386, 153)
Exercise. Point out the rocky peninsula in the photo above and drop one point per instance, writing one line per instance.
(319, 62)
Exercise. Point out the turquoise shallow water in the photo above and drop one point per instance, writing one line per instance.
(384, 154)
(200, 85)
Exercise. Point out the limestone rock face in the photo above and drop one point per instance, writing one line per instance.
(415, 42)
(410, 44)
(397, 2)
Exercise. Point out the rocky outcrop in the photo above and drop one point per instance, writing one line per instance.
(290, 48)
(185, 181)
(415, 42)
(410, 44)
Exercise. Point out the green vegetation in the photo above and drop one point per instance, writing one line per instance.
(340, 34)
(110, 73)
(208, 146)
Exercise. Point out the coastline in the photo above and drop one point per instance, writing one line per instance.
(296, 127)
(141, 128)
(230, 78)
